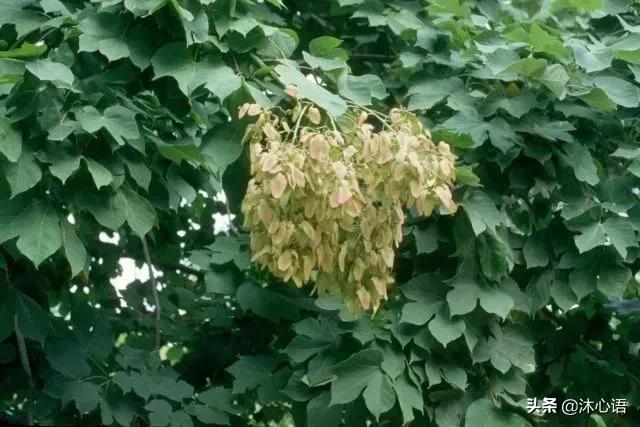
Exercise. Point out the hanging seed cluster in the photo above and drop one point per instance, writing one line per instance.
(326, 207)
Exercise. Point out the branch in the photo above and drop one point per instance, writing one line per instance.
(154, 289)
(24, 360)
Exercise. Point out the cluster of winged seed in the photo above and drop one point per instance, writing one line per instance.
(326, 207)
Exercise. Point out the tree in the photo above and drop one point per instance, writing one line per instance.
(120, 138)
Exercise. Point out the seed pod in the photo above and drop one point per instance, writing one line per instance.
(327, 207)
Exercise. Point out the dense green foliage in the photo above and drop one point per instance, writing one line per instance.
(119, 118)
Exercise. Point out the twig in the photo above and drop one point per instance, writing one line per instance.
(24, 360)
(154, 284)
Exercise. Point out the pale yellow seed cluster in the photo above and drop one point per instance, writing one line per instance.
(327, 207)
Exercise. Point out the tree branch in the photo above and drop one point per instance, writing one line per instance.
(154, 289)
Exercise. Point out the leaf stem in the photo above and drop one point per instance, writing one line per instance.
(154, 289)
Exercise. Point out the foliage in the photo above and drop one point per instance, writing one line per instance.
(119, 124)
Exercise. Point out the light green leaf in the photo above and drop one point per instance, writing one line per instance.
(362, 89)
(379, 395)
(482, 413)
(173, 60)
(10, 140)
(426, 94)
(509, 347)
(40, 237)
(583, 166)
(621, 234)
(445, 329)
(141, 216)
(620, 91)
(73, 248)
(119, 121)
(113, 35)
(481, 212)
(101, 175)
(48, 70)
(25, 20)
(354, 374)
(23, 175)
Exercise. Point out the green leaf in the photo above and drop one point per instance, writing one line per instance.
(114, 36)
(179, 151)
(509, 347)
(502, 135)
(517, 106)
(481, 212)
(265, 303)
(48, 70)
(86, 395)
(67, 358)
(555, 78)
(101, 175)
(222, 146)
(483, 413)
(362, 89)
(73, 248)
(428, 293)
(327, 47)
(10, 140)
(621, 234)
(140, 173)
(110, 212)
(24, 20)
(33, 321)
(39, 232)
(591, 57)
(445, 329)
(613, 279)
(426, 239)
(174, 60)
(119, 121)
(220, 282)
(425, 95)
(250, 371)
(448, 7)
(333, 104)
(535, 251)
(23, 175)
(409, 398)
(141, 216)
(281, 44)
(379, 395)
(466, 294)
(620, 91)
(354, 374)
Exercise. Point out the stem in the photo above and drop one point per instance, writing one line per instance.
(154, 289)
(297, 126)
(24, 360)
(261, 63)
